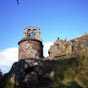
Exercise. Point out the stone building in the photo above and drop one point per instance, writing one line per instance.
(30, 46)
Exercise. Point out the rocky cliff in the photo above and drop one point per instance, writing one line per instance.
(74, 47)
(32, 73)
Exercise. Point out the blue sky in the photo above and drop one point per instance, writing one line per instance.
(55, 18)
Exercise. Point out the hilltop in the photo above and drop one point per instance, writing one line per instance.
(65, 67)
(66, 73)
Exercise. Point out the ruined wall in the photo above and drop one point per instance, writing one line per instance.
(75, 47)
(29, 48)
(31, 44)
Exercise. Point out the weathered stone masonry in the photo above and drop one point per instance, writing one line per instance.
(31, 45)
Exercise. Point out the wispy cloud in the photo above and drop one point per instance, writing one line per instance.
(7, 58)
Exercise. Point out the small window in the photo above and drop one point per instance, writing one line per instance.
(29, 33)
(34, 32)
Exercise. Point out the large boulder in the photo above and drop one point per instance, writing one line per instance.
(30, 72)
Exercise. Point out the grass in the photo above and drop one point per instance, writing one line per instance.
(68, 73)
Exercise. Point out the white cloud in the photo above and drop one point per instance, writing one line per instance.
(10, 55)
(7, 58)
(46, 48)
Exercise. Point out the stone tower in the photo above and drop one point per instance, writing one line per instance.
(31, 45)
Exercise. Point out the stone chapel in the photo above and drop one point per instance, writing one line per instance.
(30, 46)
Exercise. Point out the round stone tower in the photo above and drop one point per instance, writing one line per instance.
(31, 45)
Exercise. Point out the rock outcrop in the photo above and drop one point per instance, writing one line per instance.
(74, 47)
(31, 73)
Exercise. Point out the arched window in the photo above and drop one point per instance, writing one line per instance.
(34, 32)
(29, 33)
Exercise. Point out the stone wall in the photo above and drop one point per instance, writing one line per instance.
(30, 48)
(73, 47)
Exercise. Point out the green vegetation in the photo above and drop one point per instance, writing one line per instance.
(68, 73)
(72, 73)
(4, 82)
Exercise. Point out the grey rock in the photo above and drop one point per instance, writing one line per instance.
(72, 47)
